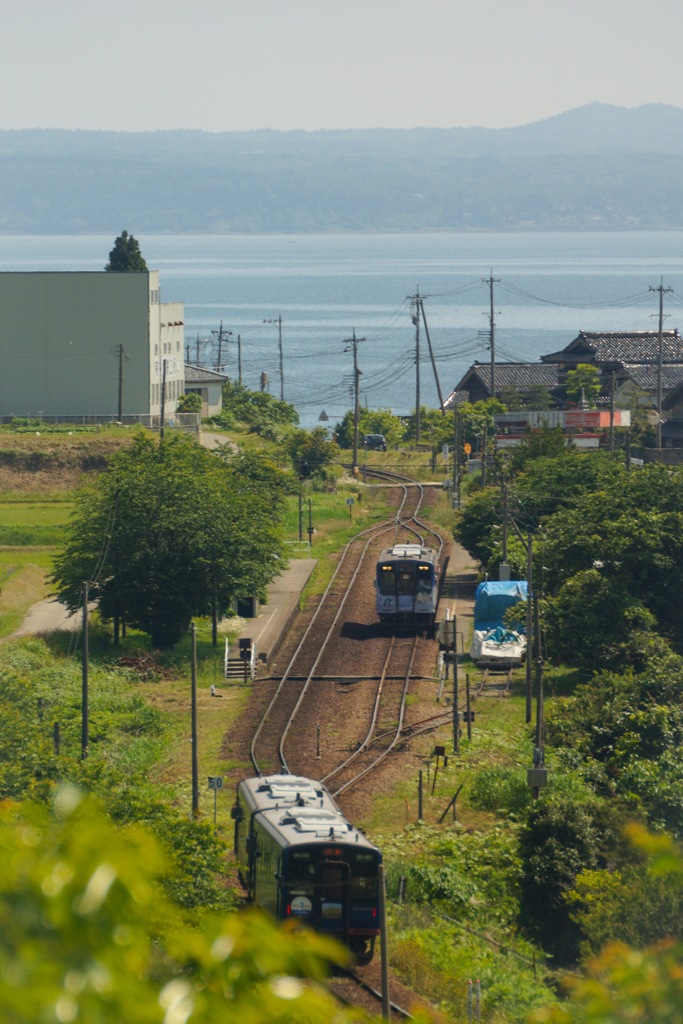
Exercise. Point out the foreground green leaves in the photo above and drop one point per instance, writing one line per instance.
(86, 934)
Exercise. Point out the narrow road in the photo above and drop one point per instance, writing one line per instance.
(46, 616)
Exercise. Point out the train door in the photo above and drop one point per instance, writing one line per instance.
(333, 889)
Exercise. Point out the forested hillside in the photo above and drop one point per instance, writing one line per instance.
(595, 167)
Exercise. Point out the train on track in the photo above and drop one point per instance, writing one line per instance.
(299, 858)
(407, 586)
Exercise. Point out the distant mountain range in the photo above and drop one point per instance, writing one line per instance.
(595, 167)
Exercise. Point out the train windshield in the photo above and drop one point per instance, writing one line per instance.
(396, 578)
(424, 578)
(301, 867)
(364, 874)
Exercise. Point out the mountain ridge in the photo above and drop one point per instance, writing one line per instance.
(595, 166)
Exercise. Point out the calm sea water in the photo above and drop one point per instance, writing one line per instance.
(547, 288)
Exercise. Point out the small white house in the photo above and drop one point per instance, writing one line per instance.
(209, 385)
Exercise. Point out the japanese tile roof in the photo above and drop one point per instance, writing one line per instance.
(455, 399)
(644, 375)
(199, 374)
(620, 347)
(520, 376)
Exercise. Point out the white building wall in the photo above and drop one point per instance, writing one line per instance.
(60, 335)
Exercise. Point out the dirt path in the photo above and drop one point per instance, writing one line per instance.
(46, 616)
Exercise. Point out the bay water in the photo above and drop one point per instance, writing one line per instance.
(315, 292)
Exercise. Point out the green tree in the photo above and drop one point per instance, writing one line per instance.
(190, 402)
(538, 398)
(585, 378)
(259, 410)
(312, 449)
(170, 531)
(561, 837)
(543, 442)
(626, 984)
(371, 421)
(476, 524)
(125, 256)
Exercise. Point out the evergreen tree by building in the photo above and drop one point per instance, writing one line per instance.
(126, 255)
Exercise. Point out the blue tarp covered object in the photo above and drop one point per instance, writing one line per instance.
(492, 600)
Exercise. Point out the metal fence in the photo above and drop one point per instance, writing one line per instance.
(186, 421)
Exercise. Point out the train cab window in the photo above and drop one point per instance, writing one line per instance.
(301, 867)
(424, 578)
(405, 580)
(385, 579)
(364, 876)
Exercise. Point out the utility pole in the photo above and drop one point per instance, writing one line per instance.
(660, 356)
(611, 412)
(490, 281)
(85, 719)
(121, 356)
(163, 403)
(239, 358)
(354, 343)
(195, 752)
(529, 622)
(220, 334)
(415, 317)
(278, 322)
(431, 356)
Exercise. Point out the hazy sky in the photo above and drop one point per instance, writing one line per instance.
(223, 65)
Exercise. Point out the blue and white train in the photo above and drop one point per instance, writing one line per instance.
(407, 586)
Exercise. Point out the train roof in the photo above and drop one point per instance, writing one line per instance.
(276, 791)
(303, 826)
(298, 811)
(410, 551)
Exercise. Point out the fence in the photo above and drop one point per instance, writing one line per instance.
(187, 421)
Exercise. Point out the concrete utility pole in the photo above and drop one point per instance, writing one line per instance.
(660, 356)
(431, 356)
(162, 418)
(278, 321)
(220, 335)
(490, 281)
(354, 342)
(415, 317)
(121, 358)
(85, 714)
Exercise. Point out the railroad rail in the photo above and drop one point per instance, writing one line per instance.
(267, 750)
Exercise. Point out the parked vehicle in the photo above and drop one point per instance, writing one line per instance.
(375, 442)
(492, 642)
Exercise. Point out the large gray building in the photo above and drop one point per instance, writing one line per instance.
(60, 344)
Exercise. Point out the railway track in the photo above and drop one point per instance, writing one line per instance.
(280, 729)
(353, 990)
(389, 704)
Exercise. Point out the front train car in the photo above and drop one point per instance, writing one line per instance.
(407, 585)
(299, 858)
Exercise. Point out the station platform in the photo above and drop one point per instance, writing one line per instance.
(267, 630)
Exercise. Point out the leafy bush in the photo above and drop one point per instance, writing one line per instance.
(561, 838)
(504, 790)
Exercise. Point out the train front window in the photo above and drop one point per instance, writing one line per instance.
(424, 579)
(364, 876)
(301, 868)
(385, 580)
(405, 581)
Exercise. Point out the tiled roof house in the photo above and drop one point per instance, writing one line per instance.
(521, 377)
